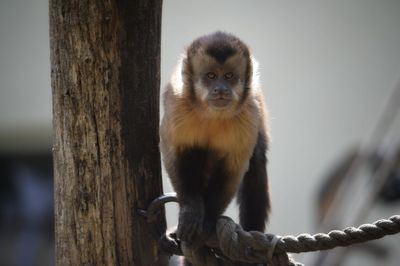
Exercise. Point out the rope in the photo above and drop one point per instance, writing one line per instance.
(336, 238)
(236, 244)
(230, 243)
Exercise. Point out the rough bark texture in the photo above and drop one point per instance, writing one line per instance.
(105, 58)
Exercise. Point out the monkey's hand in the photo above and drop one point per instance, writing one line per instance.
(190, 225)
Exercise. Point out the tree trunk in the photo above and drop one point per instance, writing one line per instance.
(105, 71)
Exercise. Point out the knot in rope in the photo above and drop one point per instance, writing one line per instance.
(253, 246)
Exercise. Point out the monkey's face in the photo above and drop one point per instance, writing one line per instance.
(219, 85)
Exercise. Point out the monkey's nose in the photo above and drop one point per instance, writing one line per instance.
(221, 91)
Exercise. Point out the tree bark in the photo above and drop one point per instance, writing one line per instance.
(105, 71)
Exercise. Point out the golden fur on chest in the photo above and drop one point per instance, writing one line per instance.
(232, 138)
(224, 135)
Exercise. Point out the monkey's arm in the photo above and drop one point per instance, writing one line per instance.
(189, 185)
(253, 196)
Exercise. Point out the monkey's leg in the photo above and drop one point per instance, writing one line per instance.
(253, 195)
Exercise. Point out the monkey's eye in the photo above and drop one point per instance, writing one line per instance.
(211, 75)
(228, 75)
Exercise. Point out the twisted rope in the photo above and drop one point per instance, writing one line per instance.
(336, 238)
(236, 244)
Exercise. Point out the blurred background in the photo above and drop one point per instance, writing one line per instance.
(329, 70)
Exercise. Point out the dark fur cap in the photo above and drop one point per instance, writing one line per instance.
(219, 45)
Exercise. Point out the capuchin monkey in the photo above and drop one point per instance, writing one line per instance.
(214, 136)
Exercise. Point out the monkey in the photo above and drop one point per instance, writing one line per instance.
(214, 136)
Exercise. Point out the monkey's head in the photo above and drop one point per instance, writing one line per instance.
(217, 72)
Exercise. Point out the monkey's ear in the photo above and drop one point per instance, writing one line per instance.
(186, 72)
(185, 66)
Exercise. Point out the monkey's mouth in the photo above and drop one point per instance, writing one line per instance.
(220, 102)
